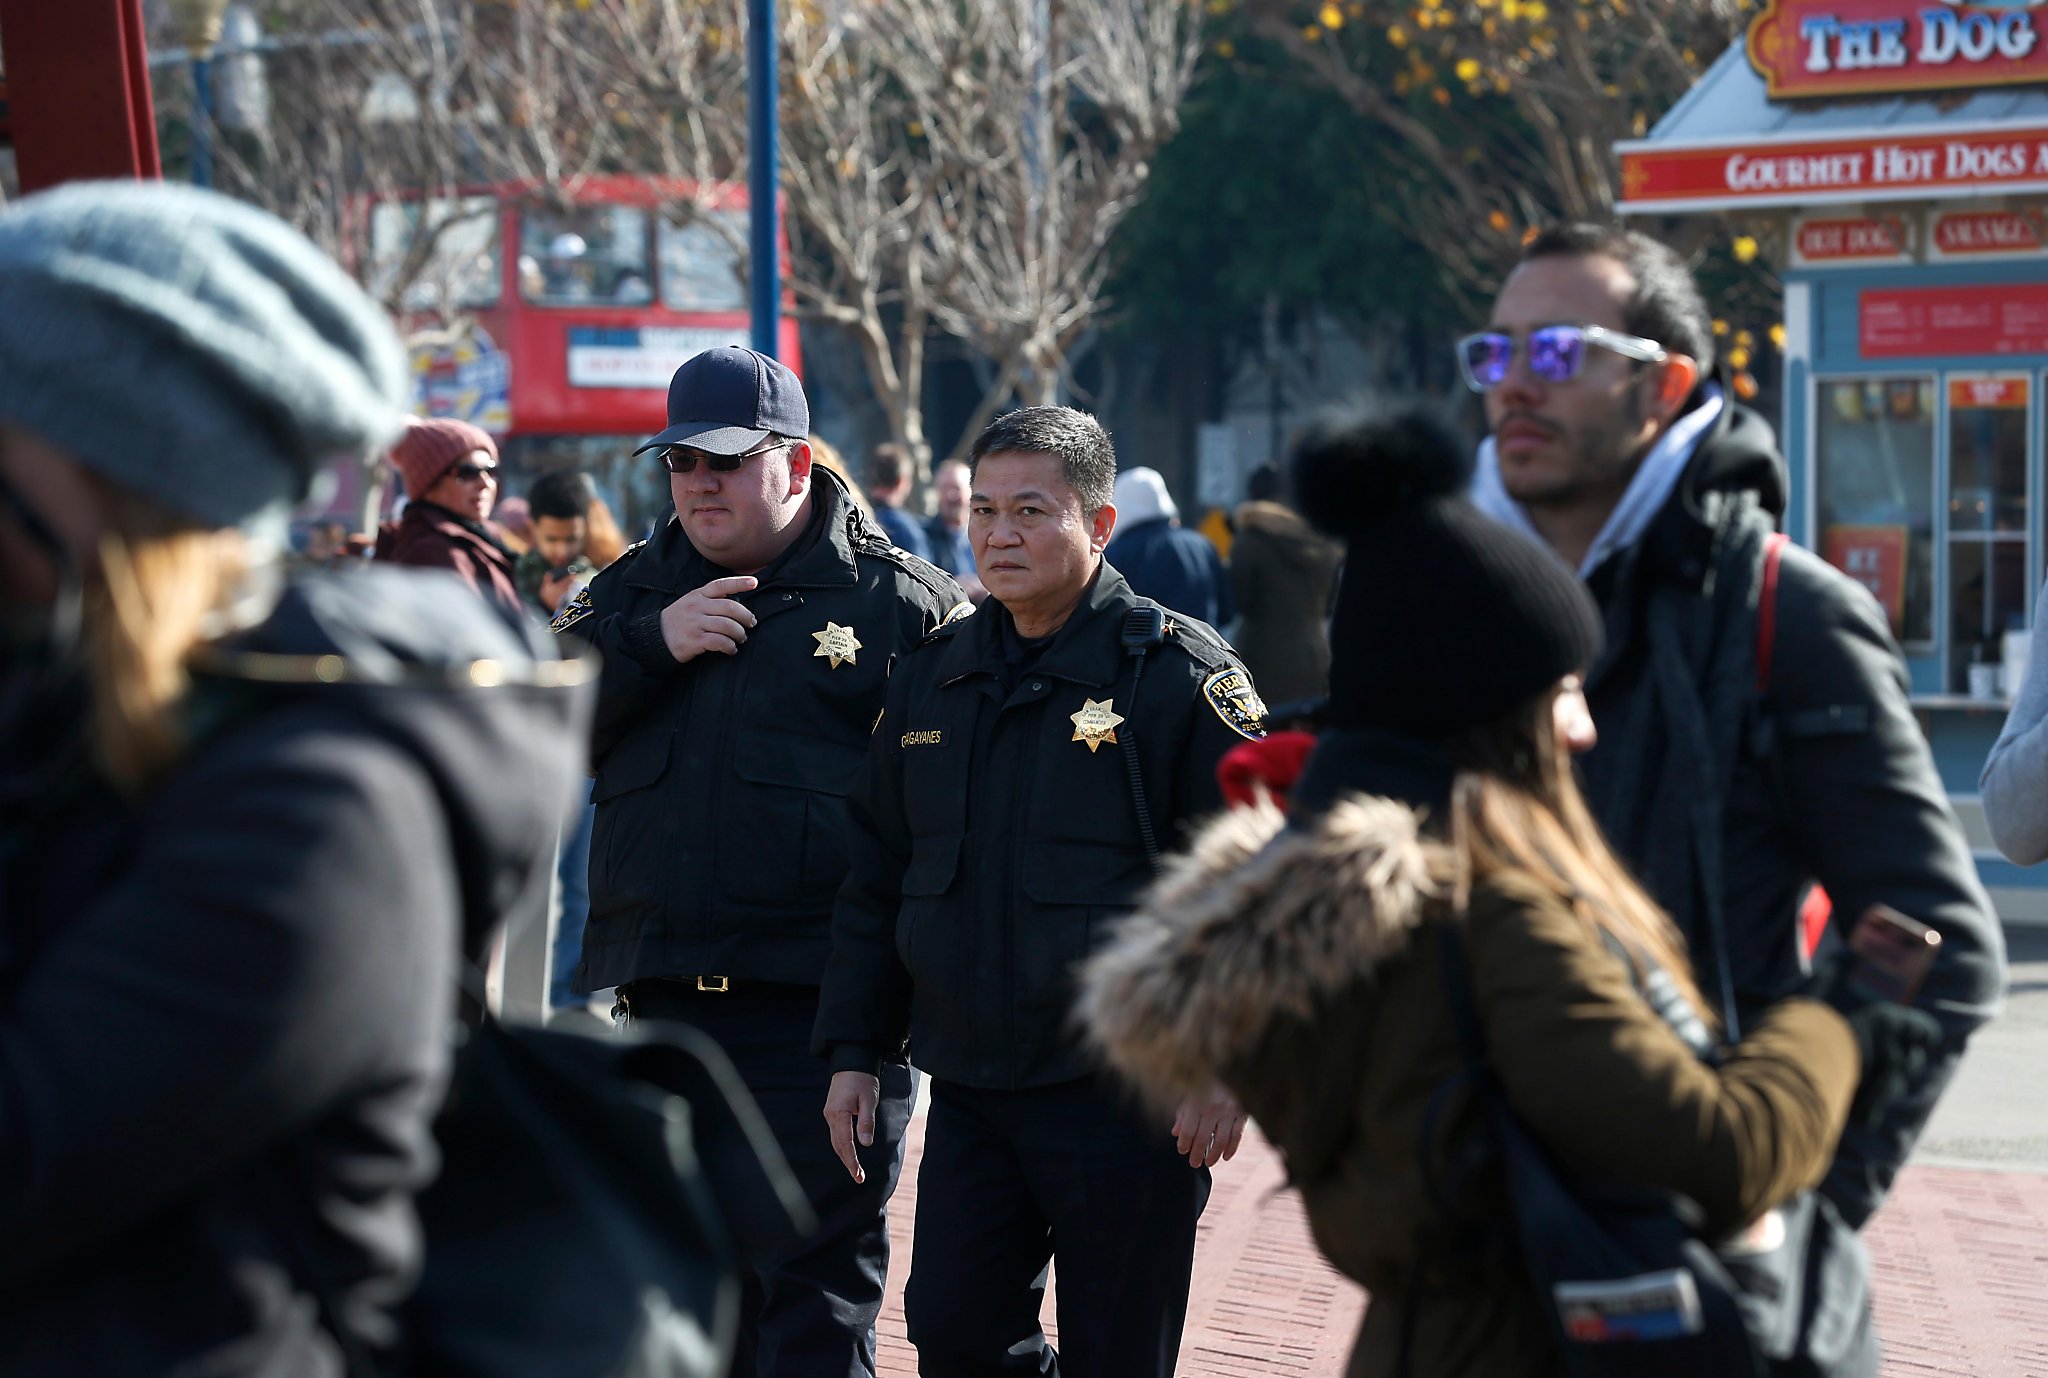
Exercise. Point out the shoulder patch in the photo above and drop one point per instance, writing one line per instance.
(573, 611)
(961, 609)
(1236, 702)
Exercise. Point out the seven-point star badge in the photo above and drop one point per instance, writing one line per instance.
(837, 642)
(1096, 723)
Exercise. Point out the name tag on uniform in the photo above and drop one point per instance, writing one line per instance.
(932, 736)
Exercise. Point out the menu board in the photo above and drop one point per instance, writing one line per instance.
(1909, 322)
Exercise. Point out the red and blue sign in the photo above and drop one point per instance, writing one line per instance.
(1826, 48)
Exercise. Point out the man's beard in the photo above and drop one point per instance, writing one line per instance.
(1602, 459)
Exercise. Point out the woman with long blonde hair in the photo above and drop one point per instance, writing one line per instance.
(1441, 856)
(248, 826)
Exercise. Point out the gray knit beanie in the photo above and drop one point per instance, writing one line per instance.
(189, 347)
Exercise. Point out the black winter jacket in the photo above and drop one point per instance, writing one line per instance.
(1729, 802)
(225, 1008)
(721, 784)
(994, 845)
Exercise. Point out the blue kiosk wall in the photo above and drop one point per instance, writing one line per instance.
(1980, 540)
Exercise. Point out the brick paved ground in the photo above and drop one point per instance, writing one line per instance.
(1961, 1278)
(1961, 1258)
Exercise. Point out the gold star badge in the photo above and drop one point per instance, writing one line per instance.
(837, 643)
(1096, 723)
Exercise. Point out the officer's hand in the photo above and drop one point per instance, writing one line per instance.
(1210, 1130)
(850, 1112)
(707, 619)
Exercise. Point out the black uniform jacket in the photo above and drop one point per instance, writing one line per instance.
(1729, 800)
(996, 837)
(225, 1006)
(721, 783)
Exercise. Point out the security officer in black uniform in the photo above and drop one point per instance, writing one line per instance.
(746, 650)
(1032, 761)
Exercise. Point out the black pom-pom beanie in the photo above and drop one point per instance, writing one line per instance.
(1445, 619)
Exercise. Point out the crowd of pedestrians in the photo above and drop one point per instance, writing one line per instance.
(852, 792)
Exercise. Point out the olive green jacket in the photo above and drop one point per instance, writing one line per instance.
(1300, 975)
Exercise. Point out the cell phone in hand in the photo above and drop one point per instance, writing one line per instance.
(1891, 954)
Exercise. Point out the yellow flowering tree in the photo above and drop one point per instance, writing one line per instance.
(1501, 114)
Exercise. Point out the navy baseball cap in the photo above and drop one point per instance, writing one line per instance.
(726, 401)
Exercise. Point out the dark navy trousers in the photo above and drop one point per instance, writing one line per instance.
(1075, 1174)
(812, 1314)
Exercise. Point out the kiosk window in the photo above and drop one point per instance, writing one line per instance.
(1874, 493)
(1987, 518)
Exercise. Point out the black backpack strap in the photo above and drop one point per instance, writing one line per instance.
(1458, 992)
(1467, 1161)
(1143, 629)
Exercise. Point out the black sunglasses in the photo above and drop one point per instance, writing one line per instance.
(681, 459)
(470, 473)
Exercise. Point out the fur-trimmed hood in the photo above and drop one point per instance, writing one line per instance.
(1254, 924)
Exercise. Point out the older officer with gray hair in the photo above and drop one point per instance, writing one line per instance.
(1032, 761)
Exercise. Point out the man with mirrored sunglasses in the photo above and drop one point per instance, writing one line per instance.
(1554, 353)
(747, 647)
(1731, 777)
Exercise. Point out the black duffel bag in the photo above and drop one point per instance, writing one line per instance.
(597, 1196)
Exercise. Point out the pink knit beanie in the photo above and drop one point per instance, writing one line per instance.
(431, 447)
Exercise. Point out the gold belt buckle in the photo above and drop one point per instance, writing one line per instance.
(724, 984)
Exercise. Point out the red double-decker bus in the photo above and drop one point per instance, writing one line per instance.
(555, 318)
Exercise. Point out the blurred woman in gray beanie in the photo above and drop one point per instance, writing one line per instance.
(247, 827)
